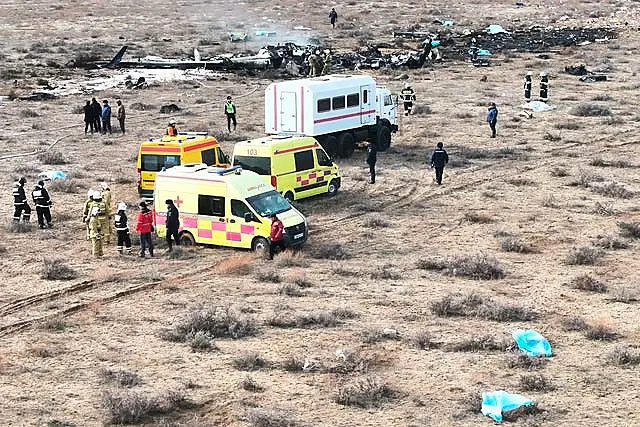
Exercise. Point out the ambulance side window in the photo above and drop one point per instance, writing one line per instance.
(239, 208)
(211, 205)
(304, 160)
(353, 100)
(365, 97)
(323, 159)
(337, 103)
(209, 157)
(324, 105)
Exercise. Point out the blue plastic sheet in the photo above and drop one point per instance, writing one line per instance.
(497, 402)
(483, 52)
(448, 23)
(435, 43)
(495, 29)
(532, 343)
(52, 175)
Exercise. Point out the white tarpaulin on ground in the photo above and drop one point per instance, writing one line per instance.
(538, 106)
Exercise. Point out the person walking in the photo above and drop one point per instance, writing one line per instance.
(20, 205)
(544, 86)
(276, 237)
(123, 244)
(439, 159)
(492, 118)
(144, 227)
(408, 96)
(89, 123)
(333, 17)
(95, 232)
(121, 115)
(42, 200)
(173, 224)
(372, 158)
(106, 117)
(97, 113)
(326, 69)
(527, 86)
(230, 111)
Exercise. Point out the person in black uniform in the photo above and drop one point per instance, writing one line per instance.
(439, 159)
(372, 158)
(544, 86)
(527, 86)
(42, 200)
(22, 208)
(123, 244)
(97, 114)
(88, 117)
(173, 224)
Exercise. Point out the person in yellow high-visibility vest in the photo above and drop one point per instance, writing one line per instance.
(230, 111)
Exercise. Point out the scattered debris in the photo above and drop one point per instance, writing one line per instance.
(495, 403)
(52, 175)
(496, 29)
(237, 36)
(576, 69)
(532, 343)
(169, 109)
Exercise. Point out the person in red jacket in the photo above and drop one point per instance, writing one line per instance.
(144, 227)
(276, 238)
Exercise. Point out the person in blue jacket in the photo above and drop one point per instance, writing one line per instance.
(106, 117)
(492, 118)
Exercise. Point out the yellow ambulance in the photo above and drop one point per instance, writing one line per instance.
(297, 166)
(169, 151)
(225, 207)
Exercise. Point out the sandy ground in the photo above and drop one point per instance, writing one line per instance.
(59, 336)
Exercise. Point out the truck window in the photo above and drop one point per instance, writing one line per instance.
(239, 208)
(323, 159)
(324, 105)
(353, 100)
(337, 103)
(259, 165)
(304, 160)
(210, 205)
(154, 163)
(388, 100)
(209, 157)
(365, 97)
(222, 158)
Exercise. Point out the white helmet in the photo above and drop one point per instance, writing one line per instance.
(122, 206)
(543, 74)
(104, 185)
(407, 85)
(529, 73)
(89, 193)
(97, 195)
(172, 122)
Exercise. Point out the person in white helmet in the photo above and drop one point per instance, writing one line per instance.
(408, 96)
(107, 229)
(527, 86)
(123, 245)
(87, 211)
(544, 87)
(171, 129)
(95, 231)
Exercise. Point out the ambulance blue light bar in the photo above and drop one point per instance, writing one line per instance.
(235, 169)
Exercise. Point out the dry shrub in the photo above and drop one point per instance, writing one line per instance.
(584, 255)
(376, 221)
(477, 218)
(344, 313)
(69, 186)
(625, 295)
(289, 258)
(612, 189)
(333, 251)
(180, 253)
(374, 335)
(624, 356)
(535, 382)
(629, 229)
(345, 272)
(201, 341)
(559, 172)
(590, 109)
(552, 136)
(600, 332)
(568, 126)
(549, 201)
(291, 290)
(574, 323)
(249, 384)
(55, 324)
(56, 269)
(326, 319)
(365, 392)
(250, 361)
(521, 412)
(424, 341)
(258, 417)
(599, 161)
(129, 407)
(488, 153)
(516, 244)
(522, 360)
(351, 361)
(52, 157)
(483, 343)
(19, 227)
(269, 275)
(236, 265)
(29, 113)
(585, 282)
(430, 264)
(585, 179)
(610, 242)
(218, 322)
(122, 377)
(386, 272)
(295, 364)
(475, 305)
(475, 266)
(299, 278)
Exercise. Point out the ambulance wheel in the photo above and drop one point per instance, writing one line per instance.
(260, 245)
(332, 190)
(384, 138)
(186, 239)
(331, 146)
(346, 145)
(289, 196)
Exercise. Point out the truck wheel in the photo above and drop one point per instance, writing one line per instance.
(331, 146)
(384, 138)
(332, 190)
(260, 245)
(346, 145)
(186, 239)
(289, 196)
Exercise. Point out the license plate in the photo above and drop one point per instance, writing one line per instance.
(298, 236)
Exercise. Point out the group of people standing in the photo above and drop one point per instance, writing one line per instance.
(41, 199)
(319, 64)
(97, 118)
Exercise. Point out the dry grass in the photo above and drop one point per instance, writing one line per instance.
(475, 266)
(584, 255)
(365, 392)
(52, 157)
(291, 290)
(482, 343)
(268, 275)
(352, 361)
(289, 258)
(610, 242)
(250, 361)
(524, 361)
(574, 323)
(235, 265)
(56, 269)
(130, 407)
(475, 305)
(629, 229)
(477, 218)
(181, 253)
(585, 282)
(624, 356)
(375, 335)
(528, 412)
(516, 244)
(376, 221)
(258, 417)
(216, 322)
(600, 331)
(559, 172)
(299, 278)
(249, 384)
(612, 189)
(624, 294)
(121, 377)
(19, 227)
(201, 341)
(590, 109)
(333, 251)
(424, 341)
(535, 382)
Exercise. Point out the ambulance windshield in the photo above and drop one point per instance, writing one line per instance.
(269, 203)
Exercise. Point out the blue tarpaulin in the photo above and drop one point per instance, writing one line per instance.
(52, 175)
(532, 343)
(497, 402)
(495, 29)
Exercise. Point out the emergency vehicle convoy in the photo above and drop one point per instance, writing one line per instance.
(296, 166)
(338, 110)
(225, 207)
(169, 151)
